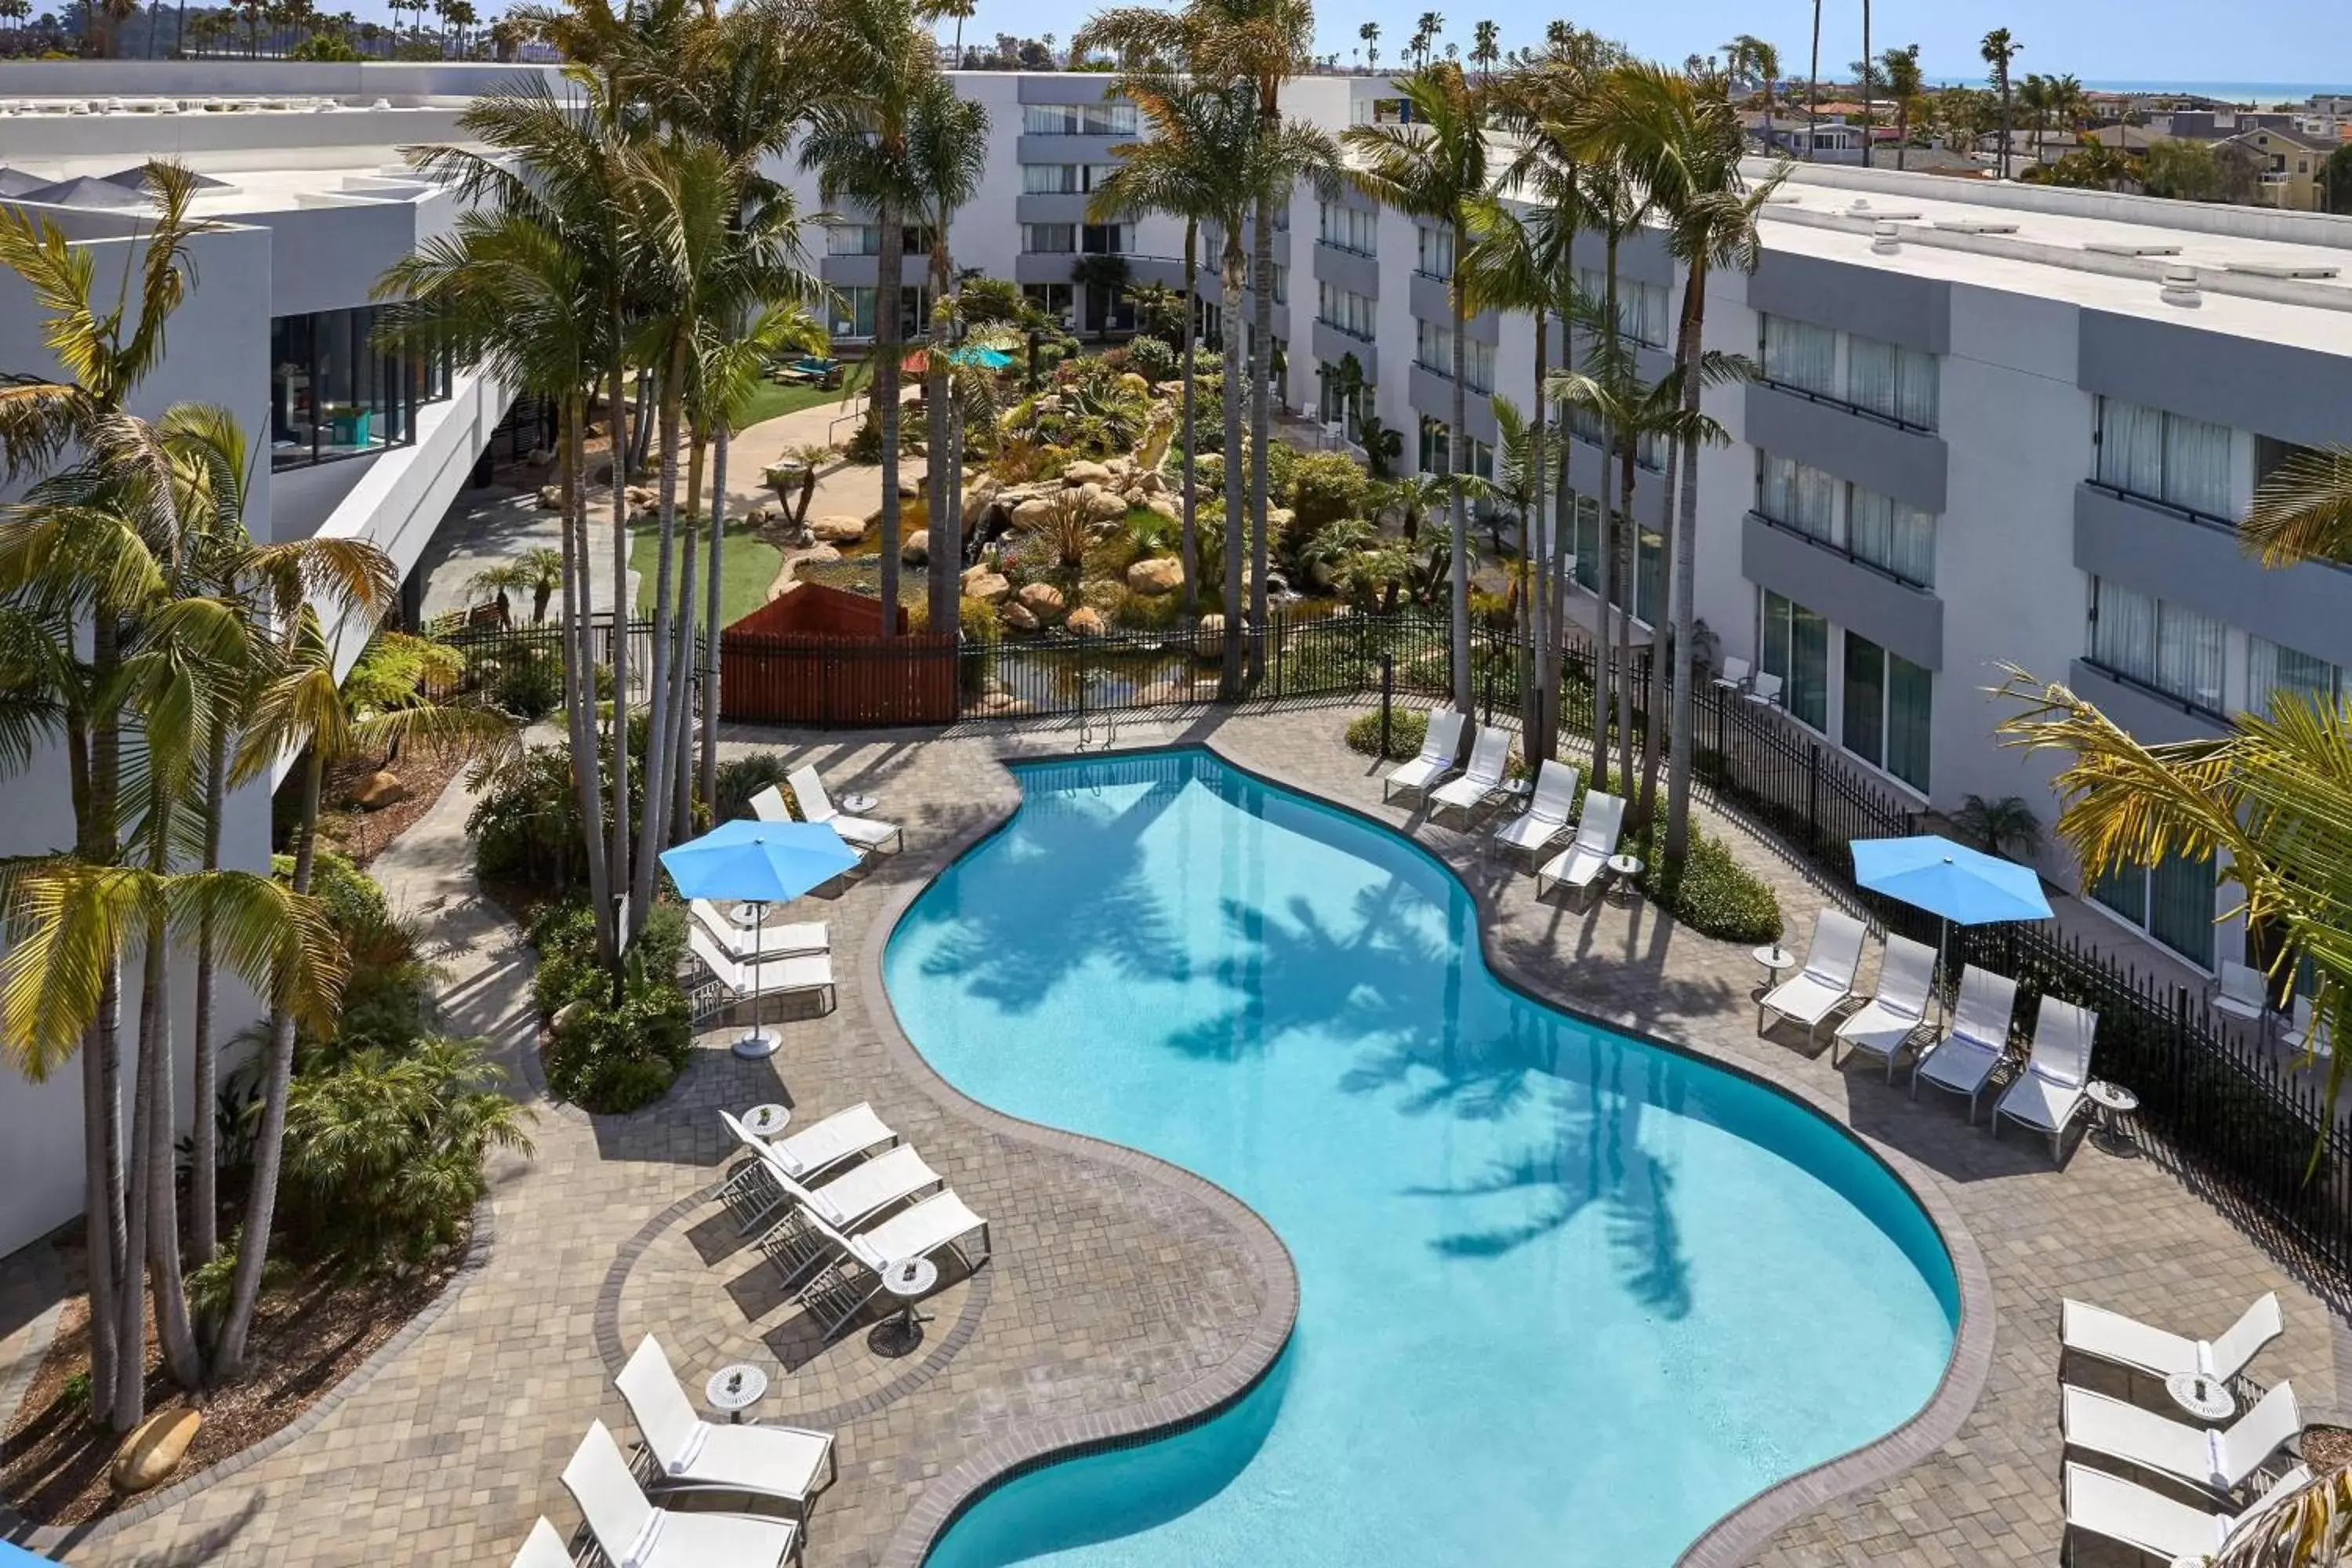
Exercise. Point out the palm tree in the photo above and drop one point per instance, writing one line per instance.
(1370, 32)
(1998, 50)
(1751, 60)
(1434, 169)
(1813, 88)
(1869, 69)
(1682, 139)
(963, 11)
(880, 64)
(2303, 510)
(1906, 85)
(949, 145)
(1425, 31)
(1182, 170)
(2033, 97)
(1486, 46)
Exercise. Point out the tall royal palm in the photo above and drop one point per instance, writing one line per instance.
(947, 145)
(1998, 50)
(880, 62)
(1906, 85)
(1682, 138)
(1436, 169)
(1756, 63)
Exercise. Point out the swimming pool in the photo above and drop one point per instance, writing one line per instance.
(1565, 1296)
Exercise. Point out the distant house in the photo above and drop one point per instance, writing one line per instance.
(2216, 124)
(2287, 167)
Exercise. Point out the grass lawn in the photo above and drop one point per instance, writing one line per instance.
(772, 400)
(747, 566)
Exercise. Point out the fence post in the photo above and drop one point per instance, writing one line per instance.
(1814, 793)
(1486, 696)
(1388, 698)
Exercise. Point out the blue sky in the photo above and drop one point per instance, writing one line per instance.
(2097, 40)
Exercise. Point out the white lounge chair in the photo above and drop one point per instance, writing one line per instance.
(855, 1276)
(815, 805)
(2302, 1037)
(2217, 1461)
(543, 1548)
(2244, 994)
(690, 1454)
(1581, 863)
(786, 939)
(1976, 1041)
(751, 1193)
(2107, 1336)
(1490, 755)
(2054, 1087)
(1894, 1017)
(769, 806)
(744, 979)
(1764, 690)
(634, 1534)
(1814, 994)
(1438, 750)
(848, 1201)
(1734, 675)
(2160, 1527)
(1546, 818)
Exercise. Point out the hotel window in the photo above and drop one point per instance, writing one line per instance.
(1885, 716)
(1350, 313)
(2172, 901)
(1798, 496)
(1065, 179)
(853, 239)
(1049, 239)
(2274, 669)
(1338, 406)
(1643, 309)
(1433, 351)
(1801, 354)
(1433, 252)
(1281, 284)
(1344, 227)
(2162, 457)
(853, 315)
(1053, 298)
(1892, 380)
(1897, 538)
(1103, 238)
(1797, 649)
(1079, 119)
(2161, 645)
(1435, 445)
(334, 393)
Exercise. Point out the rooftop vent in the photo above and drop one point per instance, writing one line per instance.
(2309, 270)
(2181, 284)
(1885, 239)
(1975, 225)
(2129, 248)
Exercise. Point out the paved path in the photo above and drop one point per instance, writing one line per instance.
(447, 1452)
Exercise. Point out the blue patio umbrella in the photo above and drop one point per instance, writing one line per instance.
(986, 358)
(758, 863)
(1960, 885)
(17, 1557)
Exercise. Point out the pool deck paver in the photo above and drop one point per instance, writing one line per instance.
(1119, 1288)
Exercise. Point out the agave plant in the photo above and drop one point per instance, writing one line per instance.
(1064, 531)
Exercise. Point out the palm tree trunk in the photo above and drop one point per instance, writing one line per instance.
(1629, 539)
(618, 854)
(1457, 456)
(1813, 88)
(1236, 528)
(1261, 366)
(204, 1157)
(944, 560)
(887, 342)
(1686, 579)
(1541, 726)
(1188, 545)
(658, 749)
(118, 1360)
(710, 613)
(679, 768)
(1866, 72)
(177, 1338)
(269, 1142)
(130, 1307)
(1654, 701)
(1605, 544)
(578, 660)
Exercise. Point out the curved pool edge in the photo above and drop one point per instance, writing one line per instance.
(1037, 1444)
(1732, 1539)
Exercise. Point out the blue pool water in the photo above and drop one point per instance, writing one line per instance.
(1566, 1298)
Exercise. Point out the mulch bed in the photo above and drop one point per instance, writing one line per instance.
(364, 835)
(2327, 1448)
(307, 1336)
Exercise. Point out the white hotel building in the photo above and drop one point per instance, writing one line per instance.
(1995, 423)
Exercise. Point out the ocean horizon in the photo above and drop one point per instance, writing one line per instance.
(2255, 93)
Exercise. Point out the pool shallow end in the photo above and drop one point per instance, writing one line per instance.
(1730, 1539)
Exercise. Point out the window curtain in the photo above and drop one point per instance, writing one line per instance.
(1890, 380)
(1801, 497)
(2273, 669)
(1862, 727)
(1798, 354)
(2131, 448)
(1893, 536)
(1909, 697)
(2189, 650)
(2196, 466)
(2123, 631)
(2180, 906)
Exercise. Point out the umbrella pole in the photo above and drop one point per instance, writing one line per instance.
(758, 1043)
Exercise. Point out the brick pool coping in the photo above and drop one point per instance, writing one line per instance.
(1730, 1540)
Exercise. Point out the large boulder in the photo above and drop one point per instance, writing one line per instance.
(1278, 518)
(1017, 617)
(1102, 505)
(1152, 483)
(1166, 505)
(985, 586)
(153, 1450)
(1083, 472)
(1043, 600)
(916, 548)
(381, 789)
(551, 497)
(1030, 513)
(1162, 574)
(838, 529)
(1086, 622)
(977, 497)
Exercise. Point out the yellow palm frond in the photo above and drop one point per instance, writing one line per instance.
(2302, 512)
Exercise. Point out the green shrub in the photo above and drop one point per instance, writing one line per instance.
(1152, 360)
(610, 1058)
(1408, 728)
(530, 683)
(348, 894)
(1716, 896)
(744, 777)
(525, 824)
(1327, 487)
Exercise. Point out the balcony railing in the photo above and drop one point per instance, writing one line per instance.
(1827, 401)
(1844, 551)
